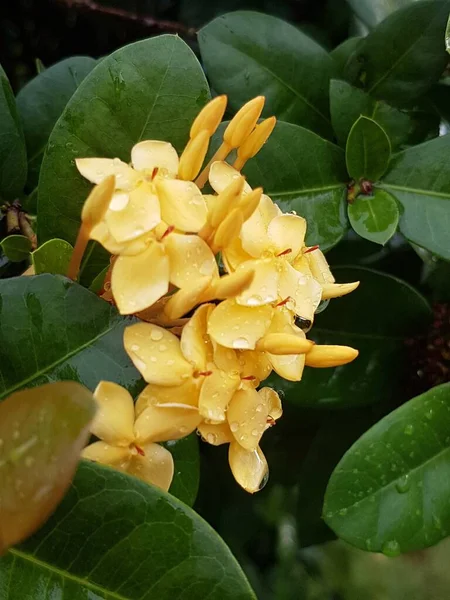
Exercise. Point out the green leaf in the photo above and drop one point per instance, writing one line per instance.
(42, 432)
(372, 12)
(248, 54)
(40, 104)
(402, 58)
(152, 89)
(310, 182)
(52, 257)
(390, 491)
(116, 537)
(376, 318)
(97, 285)
(368, 150)
(186, 478)
(13, 154)
(16, 247)
(342, 53)
(53, 329)
(347, 103)
(374, 217)
(420, 180)
(447, 36)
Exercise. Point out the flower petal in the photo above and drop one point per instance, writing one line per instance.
(149, 154)
(216, 393)
(335, 290)
(178, 396)
(305, 292)
(195, 345)
(156, 354)
(287, 232)
(247, 416)
(155, 467)
(233, 255)
(184, 300)
(140, 215)
(225, 358)
(114, 419)
(264, 287)
(269, 395)
(255, 366)
(215, 434)
(289, 366)
(139, 281)
(96, 169)
(106, 454)
(254, 237)
(190, 258)
(319, 266)
(250, 469)
(182, 204)
(222, 174)
(239, 327)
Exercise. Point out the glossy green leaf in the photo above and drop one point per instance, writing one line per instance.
(152, 89)
(405, 55)
(248, 54)
(313, 188)
(372, 12)
(52, 257)
(420, 180)
(447, 36)
(376, 318)
(117, 538)
(40, 104)
(390, 491)
(53, 329)
(16, 247)
(374, 217)
(342, 53)
(13, 154)
(368, 150)
(348, 103)
(186, 478)
(42, 433)
(97, 285)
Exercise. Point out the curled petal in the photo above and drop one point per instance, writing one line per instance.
(114, 419)
(179, 396)
(184, 300)
(247, 416)
(269, 395)
(254, 237)
(139, 281)
(190, 258)
(215, 395)
(233, 255)
(249, 468)
(221, 175)
(330, 356)
(335, 290)
(182, 204)
(156, 354)
(305, 292)
(319, 266)
(239, 327)
(287, 232)
(96, 170)
(140, 215)
(100, 233)
(195, 345)
(155, 466)
(151, 154)
(164, 422)
(215, 434)
(264, 287)
(114, 456)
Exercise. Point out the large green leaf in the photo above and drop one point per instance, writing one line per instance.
(420, 180)
(368, 150)
(16, 247)
(117, 538)
(342, 53)
(248, 54)
(152, 89)
(52, 257)
(303, 172)
(374, 217)
(375, 319)
(402, 58)
(13, 154)
(185, 481)
(53, 329)
(41, 102)
(390, 492)
(372, 12)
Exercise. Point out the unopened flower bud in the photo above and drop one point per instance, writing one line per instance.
(256, 140)
(97, 202)
(209, 117)
(191, 160)
(243, 122)
(330, 356)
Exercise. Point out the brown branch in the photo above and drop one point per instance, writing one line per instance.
(145, 20)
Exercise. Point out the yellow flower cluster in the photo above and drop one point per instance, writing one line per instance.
(206, 339)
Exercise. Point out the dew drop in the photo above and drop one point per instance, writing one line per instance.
(153, 359)
(437, 522)
(170, 363)
(429, 414)
(140, 364)
(409, 429)
(241, 343)
(234, 426)
(183, 429)
(391, 548)
(135, 347)
(156, 335)
(162, 348)
(343, 512)
(259, 408)
(206, 267)
(211, 438)
(403, 484)
(264, 481)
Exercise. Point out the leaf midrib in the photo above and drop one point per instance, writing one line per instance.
(65, 574)
(402, 188)
(336, 186)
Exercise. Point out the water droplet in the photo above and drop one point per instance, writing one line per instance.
(264, 481)
(156, 335)
(241, 343)
(153, 359)
(135, 347)
(403, 484)
(343, 512)
(183, 429)
(211, 438)
(170, 363)
(206, 267)
(234, 426)
(429, 414)
(140, 364)
(259, 407)
(255, 300)
(162, 348)
(369, 544)
(391, 548)
(255, 432)
(437, 522)
(409, 429)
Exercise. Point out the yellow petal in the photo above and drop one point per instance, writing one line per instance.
(215, 434)
(155, 467)
(210, 116)
(284, 343)
(255, 366)
(254, 237)
(179, 396)
(190, 258)
(151, 154)
(233, 255)
(228, 229)
(114, 419)
(96, 205)
(243, 122)
(330, 356)
(230, 285)
(305, 292)
(219, 206)
(264, 287)
(156, 354)
(139, 281)
(225, 358)
(250, 203)
(222, 175)
(106, 454)
(335, 290)
(191, 160)
(140, 215)
(239, 327)
(269, 395)
(96, 170)
(182, 204)
(250, 469)
(289, 366)
(287, 232)
(215, 394)
(185, 299)
(319, 266)
(247, 416)
(164, 422)
(195, 345)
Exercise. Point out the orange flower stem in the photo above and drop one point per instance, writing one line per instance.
(239, 163)
(221, 154)
(78, 252)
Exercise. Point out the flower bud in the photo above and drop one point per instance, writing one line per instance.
(97, 202)
(191, 160)
(209, 117)
(243, 122)
(330, 356)
(256, 140)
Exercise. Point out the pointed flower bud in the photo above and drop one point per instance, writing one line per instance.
(209, 117)
(284, 344)
(255, 141)
(97, 202)
(243, 122)
(191, 160)
(250, 202)
(330, 356)
(226, 200)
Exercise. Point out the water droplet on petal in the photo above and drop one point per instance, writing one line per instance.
(156, 335)
(241, 343)
(211, 438)
(135, 347)
(234, 426)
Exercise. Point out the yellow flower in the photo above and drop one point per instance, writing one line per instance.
(125, 444)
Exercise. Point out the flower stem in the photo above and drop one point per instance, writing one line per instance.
(78, 252)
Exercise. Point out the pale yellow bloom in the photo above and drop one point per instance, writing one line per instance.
(124, 443)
